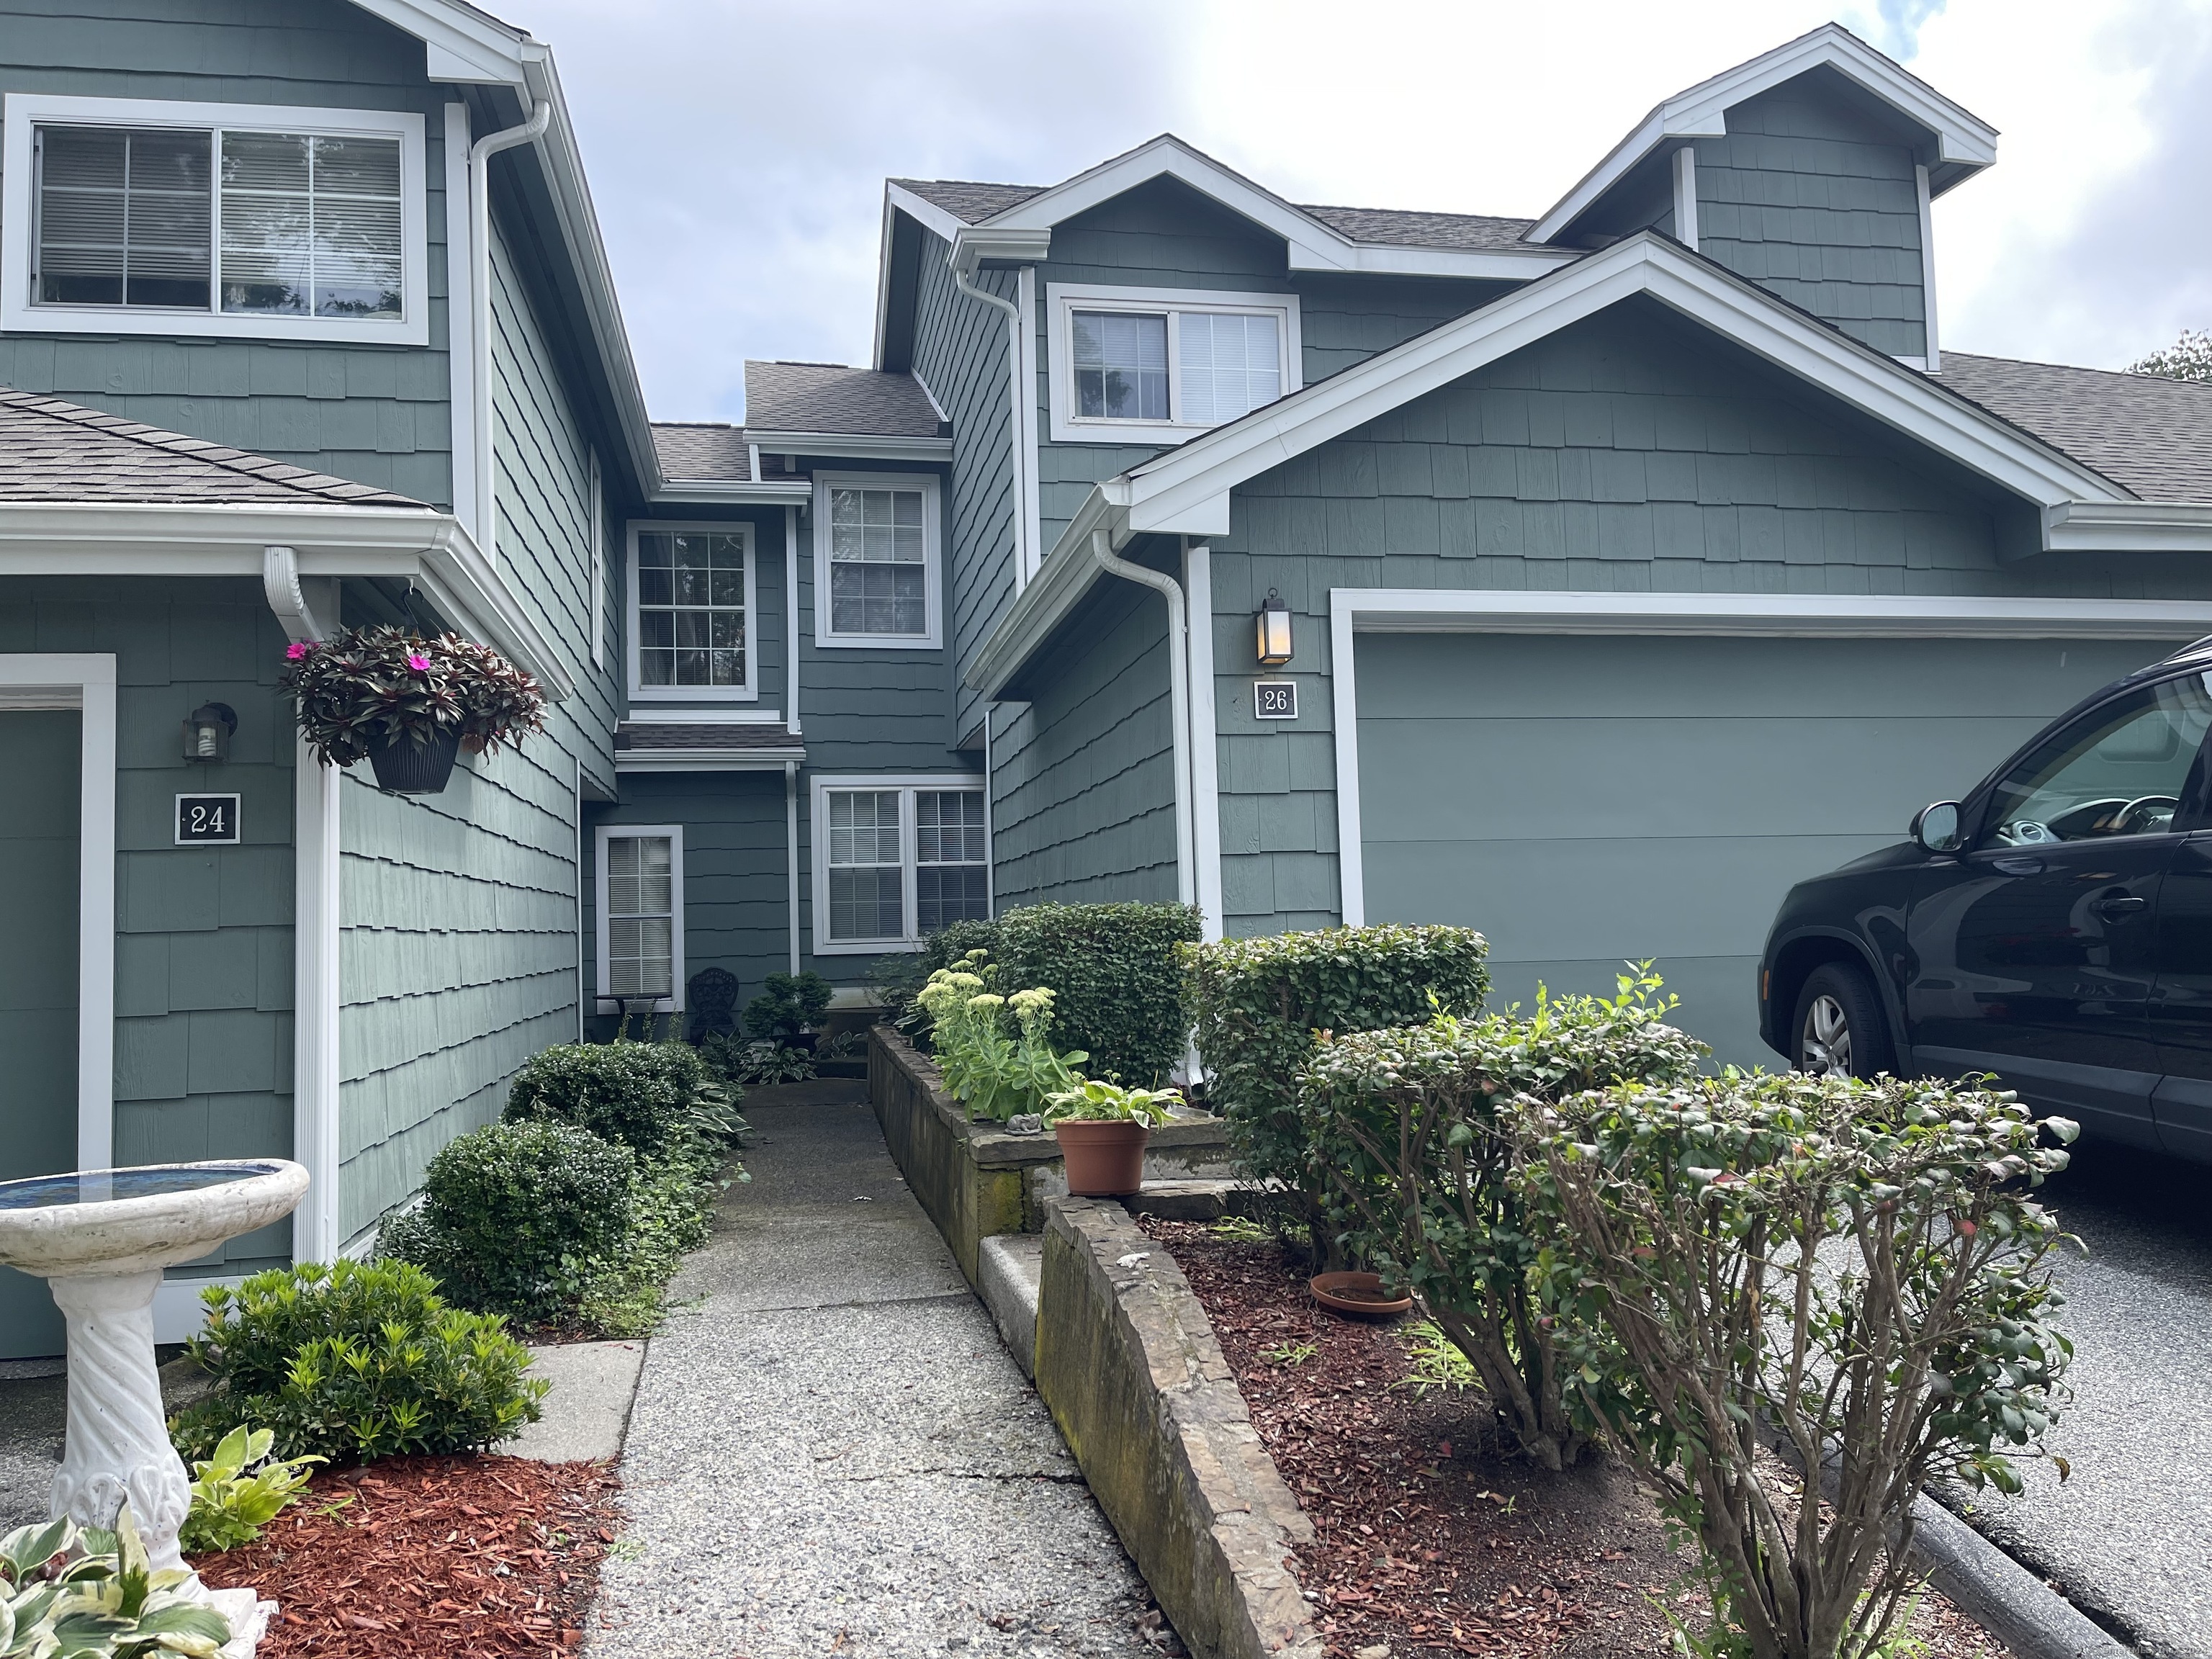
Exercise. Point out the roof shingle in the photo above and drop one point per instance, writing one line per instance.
(702, 450)
(2147, 433)
(830, 397)
(52, 451)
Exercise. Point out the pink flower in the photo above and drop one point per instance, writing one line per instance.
(420, 663)
(296, 650)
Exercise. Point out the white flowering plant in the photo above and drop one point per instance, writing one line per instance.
(995, 1051)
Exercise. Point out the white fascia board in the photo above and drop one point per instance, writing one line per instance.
(737, 492)
(1511, 265)
(464, 44)
(1061, 582)
(878, 446)
(1185, 490)
(927, 213)
(2129, 528)
(1794, 615)
(973, 244)
(707, 760)
(1963, 139)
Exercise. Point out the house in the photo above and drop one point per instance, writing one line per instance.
(1615, 569)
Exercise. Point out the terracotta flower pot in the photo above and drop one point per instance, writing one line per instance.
(409, 768)
(1356, 1293)
(1104, 1159)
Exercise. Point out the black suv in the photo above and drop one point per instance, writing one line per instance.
(2054, 927)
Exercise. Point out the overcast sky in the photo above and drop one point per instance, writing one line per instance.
(737, 150)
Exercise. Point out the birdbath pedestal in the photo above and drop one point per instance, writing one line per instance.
(100, 1239)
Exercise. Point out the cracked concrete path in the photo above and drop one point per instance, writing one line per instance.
(831, 1453)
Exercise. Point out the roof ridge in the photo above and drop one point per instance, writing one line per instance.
(2082, 368)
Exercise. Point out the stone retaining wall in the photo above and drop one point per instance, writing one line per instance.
(976, 1180)
(1128, 1365)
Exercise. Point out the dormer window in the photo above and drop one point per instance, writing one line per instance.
(1156, 366)
(145, 217)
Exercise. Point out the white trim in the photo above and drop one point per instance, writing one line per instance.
(178, 1313)
(906, 783)
(1063, 300)
(317, 909)
(85, 681)
(726, 715)
(1685, 196)
(2128, 527)
(1380, 610)
(791, 620)
(639, 691)
(850, 445)
(462, 44)
(18, 315)
(596, 566)
(735, 492)
(577, 842)
(1204, 738)
(791, 855)
(1964, 143)
(933, 561)
(460, 319)
(1030, 548)
(673, 1003)
(1932, 358)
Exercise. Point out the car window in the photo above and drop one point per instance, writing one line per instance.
(2118, 771)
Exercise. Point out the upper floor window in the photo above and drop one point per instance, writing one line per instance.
(1132, 365)
(691, 612)
(143, 217)
(876, 559)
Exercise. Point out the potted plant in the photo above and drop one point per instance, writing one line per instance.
(1102, 1128)
(405, 704)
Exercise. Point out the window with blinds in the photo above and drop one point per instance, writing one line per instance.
(898, 864)
(951, 874)
(641, 916)
(878, 573)
(868, 866)
(212, 220)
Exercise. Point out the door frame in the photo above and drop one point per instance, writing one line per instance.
(1802, 616)
(85, 681)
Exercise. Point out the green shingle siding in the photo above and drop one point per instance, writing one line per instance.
(1807, 197)
(376, 414)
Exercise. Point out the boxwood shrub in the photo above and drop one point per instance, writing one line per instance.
(516, 1218)
(650, 1097)
(352, 1361)
(1117, 985)
(1259, 1003)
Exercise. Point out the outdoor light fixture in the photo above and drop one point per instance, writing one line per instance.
(1271, 631)
(208, 732)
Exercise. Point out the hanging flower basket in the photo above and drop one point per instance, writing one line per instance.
(407, 705)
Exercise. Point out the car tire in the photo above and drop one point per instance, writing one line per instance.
(1840, 1030)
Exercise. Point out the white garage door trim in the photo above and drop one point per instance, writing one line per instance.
(1801, 616)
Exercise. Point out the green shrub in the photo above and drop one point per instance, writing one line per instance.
(1117, 985)
(791, 1004)
(896, 980)
(650, 1096)
(1858, 1267)
(671, 1209)
(1411, 1134)
(514, 1216)
(1259, 1003)
(353, 1361)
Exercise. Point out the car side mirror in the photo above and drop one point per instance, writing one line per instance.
(1937, 826)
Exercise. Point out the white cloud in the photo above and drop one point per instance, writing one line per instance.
(736, 151)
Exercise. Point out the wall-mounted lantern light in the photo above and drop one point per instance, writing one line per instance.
(208, 731)
(1271, 632)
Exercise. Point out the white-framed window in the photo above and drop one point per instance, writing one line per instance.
(641, 931)
(895, 859)
(1156, 366)
(132, 216)
(878, 566)
(691, 613)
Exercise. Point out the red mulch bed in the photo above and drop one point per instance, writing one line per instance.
(492, 1557)
(1431, 1536)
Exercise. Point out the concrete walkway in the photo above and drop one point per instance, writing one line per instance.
(831, 1453)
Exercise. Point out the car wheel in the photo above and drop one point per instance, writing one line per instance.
(1840, 1030)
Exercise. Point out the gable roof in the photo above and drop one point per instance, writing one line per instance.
(52, 451)
(1962, 143)
(834, 398)
(1187, 490)
(2149, 432)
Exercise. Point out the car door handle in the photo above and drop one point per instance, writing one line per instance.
(2120, 904)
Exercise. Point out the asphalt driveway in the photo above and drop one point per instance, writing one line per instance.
(2127, 1538)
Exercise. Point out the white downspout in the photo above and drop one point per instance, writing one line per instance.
(790, 852)
(1179, 697)
(1014, 355)
(480, 156)
(790, 620)
(315, 918)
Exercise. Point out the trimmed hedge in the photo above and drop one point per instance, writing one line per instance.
(1259, 1003)
(1116, 983)
(652, 1097)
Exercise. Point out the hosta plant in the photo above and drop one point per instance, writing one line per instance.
(72, 1592)
(996, 1072)
(1095, 1101)
(372, 688)
(239, 1489)
(1857, 1269)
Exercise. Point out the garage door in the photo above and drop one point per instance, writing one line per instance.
(1589, 800)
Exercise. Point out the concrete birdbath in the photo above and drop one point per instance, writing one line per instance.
(100, 1238)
